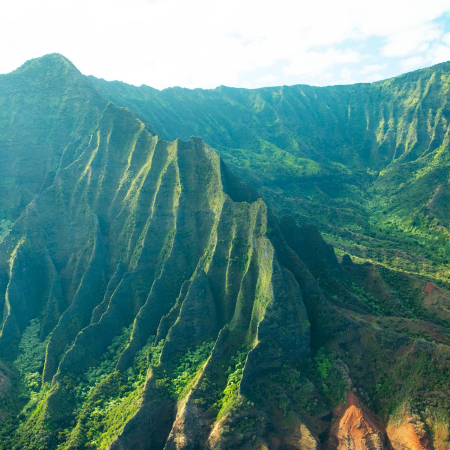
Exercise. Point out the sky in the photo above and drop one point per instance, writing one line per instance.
(241, 43)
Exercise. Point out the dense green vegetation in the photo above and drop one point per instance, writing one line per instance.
(106, 399)
(150, 299)
(177, 380)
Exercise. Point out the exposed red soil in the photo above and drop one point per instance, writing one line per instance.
(429, 287)
(409, 435)
(357, 428)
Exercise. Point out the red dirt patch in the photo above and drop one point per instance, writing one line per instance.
(410, 435)
(357, 428)
(430, 287)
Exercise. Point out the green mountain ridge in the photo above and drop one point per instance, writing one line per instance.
(153, 300)
(156, 242)
(362, 162)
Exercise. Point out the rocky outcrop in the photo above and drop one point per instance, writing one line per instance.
(409, 433)
(357, 428)
(309, 244)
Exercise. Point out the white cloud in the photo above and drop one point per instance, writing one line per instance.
(437, 53)
(205, 43)
(346, 76)
(413, 63)
(266, 80)
(374, 77)
(316, 63)
(371, 68)
(413, 39)
(446, 39)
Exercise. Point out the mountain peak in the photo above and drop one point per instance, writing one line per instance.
(50, 63)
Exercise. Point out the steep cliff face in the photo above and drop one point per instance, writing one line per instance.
(138, 239)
